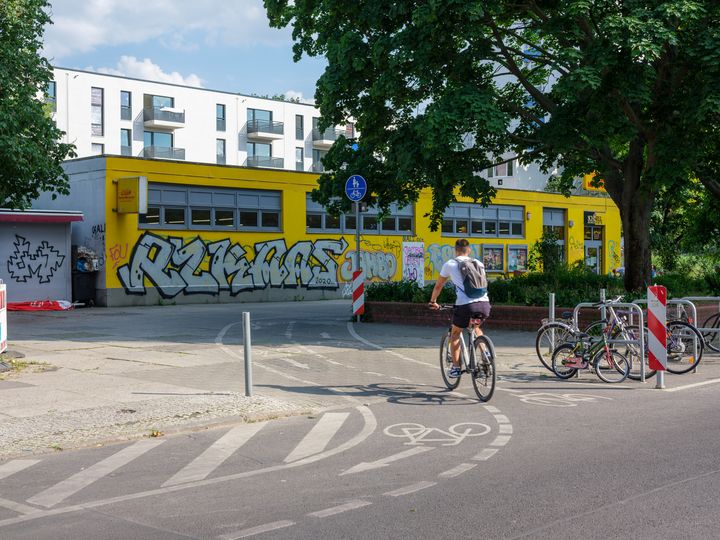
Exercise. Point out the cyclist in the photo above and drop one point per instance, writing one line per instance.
(465, 306)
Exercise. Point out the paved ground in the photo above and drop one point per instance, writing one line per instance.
(374, 446)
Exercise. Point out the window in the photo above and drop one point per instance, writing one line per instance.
(299, 127)
(468, 219)
(501, 169)
(189, 207)
(220, 117)
(554, 222)
(96, 112)
(317, 165)
(259, 149)
(97, 149)
(125, 105)
(125, 142)
(399, 220)
(220, 151)
(299, 159)
(51, 95)
(259, 120)
(158, 138)
(159, 102)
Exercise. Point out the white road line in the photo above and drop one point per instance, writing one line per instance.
(501, 419)
(410, 489)
(491, 409)
(18, 507)
(354, 334)
(374, 373)
(486, 454)
(403, 379)
(367, 466)
(324, 335)
(295, 363)
(289, 331)
(352, 505)
(16, 465)
(694, 385)
(216, 454)
(318, 437)
(500, 440)
(505, 429)
(258, 530)
(457, 471)
(62, 490)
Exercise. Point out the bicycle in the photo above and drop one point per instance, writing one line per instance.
(609, 365)
(478, 360)
(711, 327)
(550, 335)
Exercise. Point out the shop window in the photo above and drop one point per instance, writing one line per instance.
(497, 221)
(397, 221)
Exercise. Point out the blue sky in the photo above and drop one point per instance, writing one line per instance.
(219, 44)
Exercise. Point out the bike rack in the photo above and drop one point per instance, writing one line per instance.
(692, 300)
(639, 342)
(680, 302)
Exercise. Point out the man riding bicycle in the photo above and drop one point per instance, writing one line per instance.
(470, 304)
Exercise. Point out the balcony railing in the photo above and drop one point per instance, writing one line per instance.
(265, 126)
(163, 152)
(125, 113)
(264, 161)
(219, 124)
(156, 114)
(318, 167)
(330, 134)
(126, 150)
(299, 166)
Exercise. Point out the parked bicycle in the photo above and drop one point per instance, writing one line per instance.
(589, 352)
(477, 360)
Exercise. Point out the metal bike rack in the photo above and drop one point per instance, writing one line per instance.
(640, 342)
(692, 300)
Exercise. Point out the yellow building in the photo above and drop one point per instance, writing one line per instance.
(214, 233)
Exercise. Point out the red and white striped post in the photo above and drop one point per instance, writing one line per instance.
(358, 294)
(3, 316)
(657, 332)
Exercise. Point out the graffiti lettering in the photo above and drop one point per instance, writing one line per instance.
(377, 264)
(174, 265)
(43, 263)
(117, 254)
(439, 254)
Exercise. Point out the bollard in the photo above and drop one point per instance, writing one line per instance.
(603, 313)
(248, 353)
(552, 307)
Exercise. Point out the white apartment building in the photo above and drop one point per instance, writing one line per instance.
(109, 114)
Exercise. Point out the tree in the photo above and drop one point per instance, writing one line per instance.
(441, 89)
(30, 151)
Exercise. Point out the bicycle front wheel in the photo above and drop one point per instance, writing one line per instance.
(483, 376)
(549, 337)
(446, 362)
(712, 339)
(562, 357)
(632, 352)
(611, 366)
(684, 347)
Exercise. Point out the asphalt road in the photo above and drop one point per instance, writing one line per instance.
(394, 454)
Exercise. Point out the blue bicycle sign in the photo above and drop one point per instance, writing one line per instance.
(355, 187)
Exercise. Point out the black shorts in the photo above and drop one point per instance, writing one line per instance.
(474, 310)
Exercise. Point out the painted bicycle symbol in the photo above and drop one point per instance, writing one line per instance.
(419, 434)
(559, 400)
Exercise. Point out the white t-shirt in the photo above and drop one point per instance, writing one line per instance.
(450, 270)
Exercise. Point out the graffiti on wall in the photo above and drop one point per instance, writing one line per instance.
(614, 253)
(43, 262)
(194, 266)
(439, 254)
(377, 265)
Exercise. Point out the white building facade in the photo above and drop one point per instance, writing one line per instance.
(113, 115)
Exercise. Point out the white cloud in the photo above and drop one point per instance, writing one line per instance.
(129, 66)
(294, 94)
(83, 25)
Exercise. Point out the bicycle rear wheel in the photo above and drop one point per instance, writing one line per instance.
(712, 339)
(685, 347)
(632, 352)
(548, 338)
(446, 362)
(564, 354)
(611, 366)
(484, 376)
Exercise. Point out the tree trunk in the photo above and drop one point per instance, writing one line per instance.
(635, 202)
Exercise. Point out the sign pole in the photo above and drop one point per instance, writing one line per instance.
(357, 241)
(355, 189)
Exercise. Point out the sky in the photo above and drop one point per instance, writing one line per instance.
(223, 45)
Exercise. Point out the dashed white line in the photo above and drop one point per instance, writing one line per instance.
(694, 385)
(354, 334)
(486, 454)
(258, 530)
(403, 379)
(412, 488)
(374, 373)
(491, 409)
(352, 505)
(367, 466)
(18, 507)
(457, 471)
(500, 440)
(505, 429)
(16, 465)
(501, 419)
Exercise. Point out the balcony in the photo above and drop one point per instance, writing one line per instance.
(318, 167)
(163, 117)
(264, 161)
(126, 150)
(163, 152)
(325, 139)
(299, 166)
(265, 129)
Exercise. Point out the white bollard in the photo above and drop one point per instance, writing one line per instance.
(248, 353)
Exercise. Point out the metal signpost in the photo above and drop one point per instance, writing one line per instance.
(355, 189)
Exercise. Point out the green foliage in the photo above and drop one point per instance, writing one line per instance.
(30, 151)
(407, 291)
(441, 90)
(545, 254)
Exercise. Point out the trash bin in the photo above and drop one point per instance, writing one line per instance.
(83, 287)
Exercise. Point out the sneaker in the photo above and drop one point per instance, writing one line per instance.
(454, 372)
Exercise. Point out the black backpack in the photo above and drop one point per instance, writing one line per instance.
(473, 276)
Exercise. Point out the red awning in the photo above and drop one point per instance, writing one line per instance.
(39, 216)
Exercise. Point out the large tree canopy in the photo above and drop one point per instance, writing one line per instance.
(440, 89)
(30, 151)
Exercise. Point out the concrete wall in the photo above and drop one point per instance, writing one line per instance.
(35, 261)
